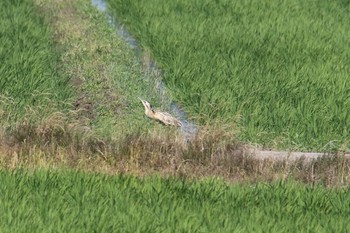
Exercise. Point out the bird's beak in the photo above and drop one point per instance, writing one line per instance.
(142, 101)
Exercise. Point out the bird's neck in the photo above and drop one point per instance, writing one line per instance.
(149, 112)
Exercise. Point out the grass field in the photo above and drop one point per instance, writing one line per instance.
(29, 77)
(68, 100)
(279, 69)
(65, 201)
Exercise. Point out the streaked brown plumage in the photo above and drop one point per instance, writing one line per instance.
(163, 117)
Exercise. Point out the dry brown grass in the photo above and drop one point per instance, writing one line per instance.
(211, 152)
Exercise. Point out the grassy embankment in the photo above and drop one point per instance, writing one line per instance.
(278, 69)
(43, 201)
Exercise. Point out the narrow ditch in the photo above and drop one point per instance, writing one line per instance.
(150, 70)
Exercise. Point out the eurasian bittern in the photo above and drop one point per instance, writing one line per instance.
(163, 117)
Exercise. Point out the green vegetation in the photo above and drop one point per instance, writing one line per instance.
(48, 49)
(280, 67)
(62, 201)
(101, 124)
(28, 69)
(103, 70)
(51, 47)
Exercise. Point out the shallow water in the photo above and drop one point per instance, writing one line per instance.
(188, 129)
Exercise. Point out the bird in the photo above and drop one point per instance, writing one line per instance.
(162, 117)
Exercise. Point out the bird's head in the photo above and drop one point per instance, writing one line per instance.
(146, 104)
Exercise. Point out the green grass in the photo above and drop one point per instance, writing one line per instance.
(28, 69)
(43, 46)
(67, 201)
(105, 74)
(281, 66)
(62, 66)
